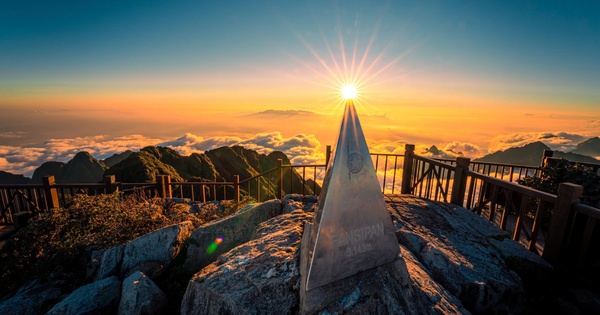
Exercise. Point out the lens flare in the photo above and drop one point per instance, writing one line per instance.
(213, 246)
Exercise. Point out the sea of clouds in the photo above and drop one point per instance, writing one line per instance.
(301, 148)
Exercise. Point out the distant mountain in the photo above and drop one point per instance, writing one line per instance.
(83, 168)
(590, 147)
(531, 155)
(7, 178)
(116, 158)
(51, 168)
(143, 166)
(220, 164)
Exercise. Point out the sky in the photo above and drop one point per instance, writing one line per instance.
(468, 76)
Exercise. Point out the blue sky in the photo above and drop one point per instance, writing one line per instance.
(77, 69)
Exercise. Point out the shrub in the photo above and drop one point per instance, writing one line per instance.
(55, 242)
(561, 171)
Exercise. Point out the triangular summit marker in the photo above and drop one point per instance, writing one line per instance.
(352, 229)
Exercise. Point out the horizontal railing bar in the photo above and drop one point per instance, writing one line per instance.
(515, 187)
(434, 162)
(200, 183)
(257, 176)
(587, 210)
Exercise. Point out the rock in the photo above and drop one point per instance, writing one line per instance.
(160, 246)
(461, 251)
(100, 297)
(532, 268)
(95, 260)
(110, 262)
(217, 237)
(139, 295)
(399, 287)
(258, 277)
(402, 286)
(32, 298)
(292, 202)
(149, 268)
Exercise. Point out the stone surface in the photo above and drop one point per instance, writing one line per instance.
(110, 262)
(259, 277)
(231, 231)
(160, 246)
(466, 254)
(32, 298)
(293, 202)
(100, 297)
(399, 287)
(139, 295)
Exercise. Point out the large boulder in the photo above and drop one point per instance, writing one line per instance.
(32, 298)
(464, 253)
(110, 261)
(100, 297)
(217, 237)
(402, 286)
(263, 277)
(292, 202)
(139, 295)
(258, 277)
(160, 246)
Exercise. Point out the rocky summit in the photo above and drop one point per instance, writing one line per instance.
(451, 261)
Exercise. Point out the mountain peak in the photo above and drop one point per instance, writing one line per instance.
(589, 147)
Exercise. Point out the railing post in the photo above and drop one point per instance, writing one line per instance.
(460, 181)
(280, 178)
(163, 182)
(546, 154)
(568, 194)
(109, 182)
(50, 192)
(327, 155)
(407, 166)
(236, 188)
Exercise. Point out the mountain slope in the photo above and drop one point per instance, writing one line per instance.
(220, 164)
(83, 168)
(590, 147)
(7, 178)
(50, 168)
(116, 158)
(529, 154)
(143, 166)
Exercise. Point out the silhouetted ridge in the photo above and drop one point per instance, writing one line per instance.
(116, 158)
(220, 164)
(590, 147)
(531, 155)
(7, 178)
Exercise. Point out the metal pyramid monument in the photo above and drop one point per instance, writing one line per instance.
(352, 229)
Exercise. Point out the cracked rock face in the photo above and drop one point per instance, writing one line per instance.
(466, 254)
(258, 277)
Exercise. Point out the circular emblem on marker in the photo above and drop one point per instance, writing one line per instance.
(355, 163)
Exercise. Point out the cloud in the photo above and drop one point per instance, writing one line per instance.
(24, 160)
(463, 149)
(561, 141)
(12, 134)
(300, 147)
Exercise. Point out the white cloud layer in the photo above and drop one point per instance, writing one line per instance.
(301, 148)
(561, 141)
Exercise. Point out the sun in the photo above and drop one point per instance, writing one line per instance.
(349, 91)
